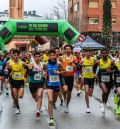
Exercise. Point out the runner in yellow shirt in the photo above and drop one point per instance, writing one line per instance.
(16, 72)
(88, 75)
(105, 77)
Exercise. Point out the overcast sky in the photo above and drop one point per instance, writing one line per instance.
(41, 6)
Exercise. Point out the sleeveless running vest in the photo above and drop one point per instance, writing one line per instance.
(17, 70)
(104, 75)
(52, 80)
(117, 64)
(117, 72)
(68, 66)
(88, 67)
(105, 65)
(1, 66)
(37, 77)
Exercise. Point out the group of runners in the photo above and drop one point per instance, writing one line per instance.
(57, 73)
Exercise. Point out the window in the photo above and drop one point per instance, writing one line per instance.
(93, 4)
(76, 7)
(71, 9)
(93, 20)
(113, 4)
(113, 20)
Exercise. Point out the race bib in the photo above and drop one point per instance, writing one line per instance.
(105, 78)
(17, 75)
(1, 67)
(118, 79)
(69, 68)
(54, 78)
(88, 69)
(38, 77)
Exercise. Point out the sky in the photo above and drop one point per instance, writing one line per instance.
(41, 6)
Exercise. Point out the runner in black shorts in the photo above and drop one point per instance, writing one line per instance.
(69, 62)
(36, 80)
(53, 83)
(105, 77)
(88, 63)
(16, 68)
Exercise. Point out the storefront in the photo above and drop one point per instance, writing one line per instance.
(21, 45)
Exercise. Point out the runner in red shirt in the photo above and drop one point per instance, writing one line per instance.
(78, 73)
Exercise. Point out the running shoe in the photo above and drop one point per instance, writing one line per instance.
(81, 90)
(52, 122)
(88, 110)
(61, 104)
(66, 109)
(54, 106)
(17, 111)
(38, 114)
(7, 92)
(26, 84)
(118, 111)
(116, 99)
(78, 93)
(102, 108)
(64, 103)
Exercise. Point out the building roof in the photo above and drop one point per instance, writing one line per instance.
(32, 15)
(3, 13)
(89, 43)
(26, 13)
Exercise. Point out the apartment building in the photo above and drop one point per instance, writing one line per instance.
(87, 15)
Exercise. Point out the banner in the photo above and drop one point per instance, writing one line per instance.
(59, 28)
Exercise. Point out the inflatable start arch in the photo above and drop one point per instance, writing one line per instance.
(37, 28)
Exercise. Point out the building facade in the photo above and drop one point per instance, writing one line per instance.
(87, 15)
(16, 8)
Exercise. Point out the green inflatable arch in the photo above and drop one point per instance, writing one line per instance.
(37, 28)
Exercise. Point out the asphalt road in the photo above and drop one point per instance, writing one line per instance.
(75, 119)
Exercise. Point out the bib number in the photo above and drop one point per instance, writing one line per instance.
(37, 77)
(54, 78)
(105, 78)
(69, 68)
(118, 79)
(1, 67)
(88, 69)
(17, 75)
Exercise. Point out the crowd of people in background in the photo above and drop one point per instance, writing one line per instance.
(57, 72)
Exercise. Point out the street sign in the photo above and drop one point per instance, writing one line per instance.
(82, 38)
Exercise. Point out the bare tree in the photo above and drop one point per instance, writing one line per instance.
(62, 5)
(58, 12)
(49, 16)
